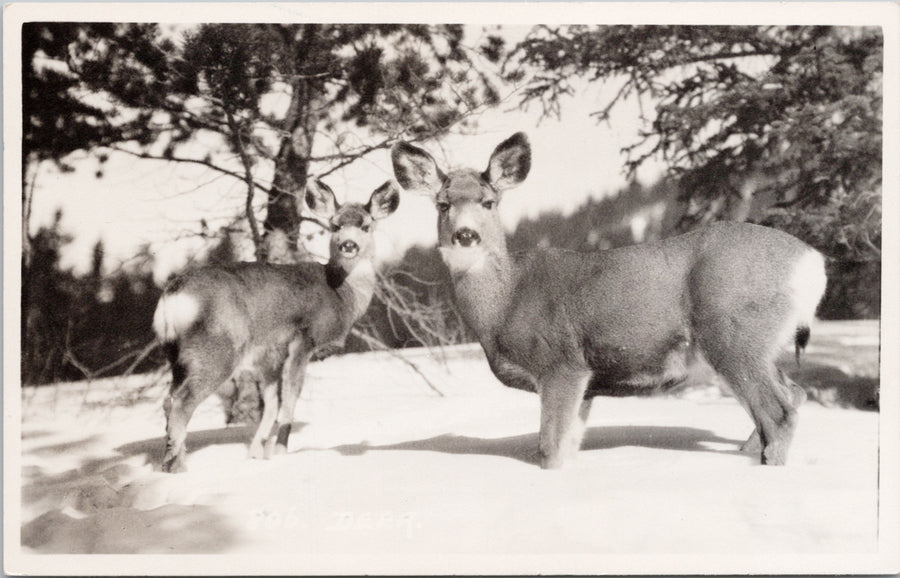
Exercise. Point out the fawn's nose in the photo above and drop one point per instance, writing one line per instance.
(349, 248)
(466, 237)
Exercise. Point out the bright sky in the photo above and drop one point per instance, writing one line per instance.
(140, 201)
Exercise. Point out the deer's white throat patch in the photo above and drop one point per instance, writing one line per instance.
(462, 260)
(362, 281)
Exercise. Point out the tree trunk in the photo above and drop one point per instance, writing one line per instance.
(282, 215)
(292, 162)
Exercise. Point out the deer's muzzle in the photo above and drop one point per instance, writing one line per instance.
(349, 248)
(466, 237)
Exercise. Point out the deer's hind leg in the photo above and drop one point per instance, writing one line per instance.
(741, 338)
(196, 373)
(269, 363)
(770, 401)
(797, 394)
(563, 413)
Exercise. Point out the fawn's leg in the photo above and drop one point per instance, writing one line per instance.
(266, 422)
(196, 373)
(291, 386)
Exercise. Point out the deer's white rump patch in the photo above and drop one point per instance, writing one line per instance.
(174, 315)
(807, 284)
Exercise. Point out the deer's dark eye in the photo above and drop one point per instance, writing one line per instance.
(488, 204)
(443, 206)
(335, 228)
(366, 228)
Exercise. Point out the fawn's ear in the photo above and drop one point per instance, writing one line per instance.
(510, 162)
(320, 199)
(384, 201)
(416, 170)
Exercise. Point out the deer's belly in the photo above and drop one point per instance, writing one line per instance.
(512, 374)
(640, 365)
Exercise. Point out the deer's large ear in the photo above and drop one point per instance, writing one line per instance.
(416, 170)
(510, 162)
(320, 199)
(384, 201)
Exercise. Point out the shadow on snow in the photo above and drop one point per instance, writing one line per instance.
(524, 447)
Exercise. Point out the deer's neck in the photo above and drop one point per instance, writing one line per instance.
(482, 287)
(354, 285)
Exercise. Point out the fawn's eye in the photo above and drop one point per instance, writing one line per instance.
(335, 228)
(443, 206)
(488, 204)
(366, 228)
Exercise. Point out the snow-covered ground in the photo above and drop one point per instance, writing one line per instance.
(384, 473)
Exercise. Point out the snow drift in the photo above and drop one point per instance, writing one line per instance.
(388, 472)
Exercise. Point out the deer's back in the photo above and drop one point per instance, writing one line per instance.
(630, 311)
(261, 302)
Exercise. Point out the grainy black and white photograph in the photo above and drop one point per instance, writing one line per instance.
(451, 288)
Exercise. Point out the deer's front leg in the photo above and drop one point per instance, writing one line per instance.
(563, 412)
(291, 386)
(267, 422)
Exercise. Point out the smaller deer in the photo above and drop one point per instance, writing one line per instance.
(571, 325)
(266, 321)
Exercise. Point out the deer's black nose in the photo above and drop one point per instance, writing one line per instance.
(349, 248)
(466, 237)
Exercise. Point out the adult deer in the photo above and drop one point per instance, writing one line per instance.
(268, 320)
(568, 325)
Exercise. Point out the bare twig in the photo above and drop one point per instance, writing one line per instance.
(203, 162)
(379, 345)
(144, 353)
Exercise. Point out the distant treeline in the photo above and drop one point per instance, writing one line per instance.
(97, 325)
(80, 326)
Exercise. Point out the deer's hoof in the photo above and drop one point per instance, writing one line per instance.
(174, 466)
(552, 461)
(256, 452)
